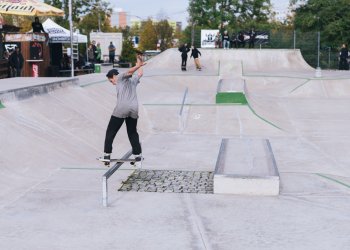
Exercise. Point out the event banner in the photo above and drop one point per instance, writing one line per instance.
(23, 37)
(208, 38)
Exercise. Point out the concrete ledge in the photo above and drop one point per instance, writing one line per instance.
(25, 92)
(246, 167)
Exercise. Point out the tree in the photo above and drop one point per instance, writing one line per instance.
(222, 14)
(148, 36)
(128, 52)
(331, 18)
(85, 14)
(165, 34)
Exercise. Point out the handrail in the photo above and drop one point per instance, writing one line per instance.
(108, 174)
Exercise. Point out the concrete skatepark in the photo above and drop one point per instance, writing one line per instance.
(52, 130)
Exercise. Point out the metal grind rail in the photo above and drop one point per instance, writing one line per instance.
(108, 174)
(181, 120)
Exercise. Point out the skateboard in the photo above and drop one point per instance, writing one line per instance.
(118, 160)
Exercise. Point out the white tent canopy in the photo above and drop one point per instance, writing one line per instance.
(58, 34)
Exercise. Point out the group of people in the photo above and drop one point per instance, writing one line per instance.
(238, 40)
(95, 52)
(14, 55)
(195, 53)
(15, 62)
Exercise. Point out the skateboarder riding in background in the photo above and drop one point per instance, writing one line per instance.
(184, 50)
(195, 53)
(126, 109)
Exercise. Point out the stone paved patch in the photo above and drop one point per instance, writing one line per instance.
(169, 181)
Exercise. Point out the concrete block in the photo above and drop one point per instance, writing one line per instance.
(246, 167)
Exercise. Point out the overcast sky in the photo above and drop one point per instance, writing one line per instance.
(175, 10)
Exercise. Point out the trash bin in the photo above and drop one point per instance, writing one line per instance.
(97, 68)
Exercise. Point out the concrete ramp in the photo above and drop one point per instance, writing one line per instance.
(246, 167)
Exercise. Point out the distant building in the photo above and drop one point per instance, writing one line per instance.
(175, 25)
(122, 18)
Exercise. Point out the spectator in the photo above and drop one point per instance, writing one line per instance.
(91, 56)
(343, 58)
(94, 48)
(16, 62)
(98, 53)
(217, 40)
(37, 26)
(195, 53)
(234, 41)
(225, 40)
(252, 35)
(241, 39)
(111, 49)
(184, 50)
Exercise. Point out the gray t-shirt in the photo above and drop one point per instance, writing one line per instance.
(127, 104)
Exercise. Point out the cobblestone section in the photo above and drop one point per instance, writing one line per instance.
(169, 181)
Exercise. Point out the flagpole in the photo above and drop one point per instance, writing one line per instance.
(71, 37)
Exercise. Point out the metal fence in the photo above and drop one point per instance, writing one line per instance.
(307, 42)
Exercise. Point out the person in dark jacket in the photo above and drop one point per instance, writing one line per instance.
(16, 62)
(195, 53)
(184, 50)
(241, 39)
(252, 36)
(343, 58)
(37, 26)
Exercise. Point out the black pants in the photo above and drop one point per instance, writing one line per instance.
(113, 127)
(111, 58)
(183, 60)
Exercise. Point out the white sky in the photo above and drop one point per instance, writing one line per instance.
(175, 10)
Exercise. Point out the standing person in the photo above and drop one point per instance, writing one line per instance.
(37, 26)
(241, 39)
(343, 57)
(195, 53)
(184, 50)
(111, 49)
(217, 40)
(91, 56)
(16, 62)
(125, 110)
(252, 35)
(98, 53)
(225, 40)
(94, 48)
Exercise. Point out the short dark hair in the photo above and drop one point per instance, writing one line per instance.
(112, 72)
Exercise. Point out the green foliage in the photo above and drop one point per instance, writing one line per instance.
(148, 36)
(165, 34)
(85, 14)
(331, 18)
(226, 14)
(128, 52)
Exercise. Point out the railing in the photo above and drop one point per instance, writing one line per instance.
(108, 174)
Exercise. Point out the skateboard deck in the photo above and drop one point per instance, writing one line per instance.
(117, 160)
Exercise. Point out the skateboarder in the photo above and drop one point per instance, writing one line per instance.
(126, 108)
(195, 53)
(184, 50)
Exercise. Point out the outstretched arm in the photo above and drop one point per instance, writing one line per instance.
(140, 62)
(138, 65)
